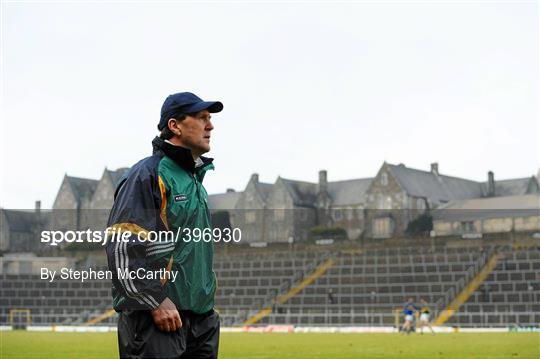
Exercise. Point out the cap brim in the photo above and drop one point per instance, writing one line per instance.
(211, 106)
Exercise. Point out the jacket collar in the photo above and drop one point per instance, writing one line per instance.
(182, 156)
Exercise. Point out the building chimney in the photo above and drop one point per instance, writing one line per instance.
(255, 177)
(323, 181)
(435, 168)
(38, 207)
(491, 184)
(230, 190)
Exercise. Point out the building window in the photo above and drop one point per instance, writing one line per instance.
(279, 214)
(303, 214)
(467, 227)
(385, 202)
(338, 215)
(383, 227)
(384, 179)
(250, 217)
(420, 204)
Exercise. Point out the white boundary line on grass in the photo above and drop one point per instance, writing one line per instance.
(268, 329)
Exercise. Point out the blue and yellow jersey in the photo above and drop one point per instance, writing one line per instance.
(409, 308)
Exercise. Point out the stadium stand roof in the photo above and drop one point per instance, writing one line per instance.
(493, 207)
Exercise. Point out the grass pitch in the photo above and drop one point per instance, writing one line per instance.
(31, 345)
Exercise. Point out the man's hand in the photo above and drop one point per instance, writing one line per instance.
(166, 316)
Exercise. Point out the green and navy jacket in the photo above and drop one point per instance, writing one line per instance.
(161, 193)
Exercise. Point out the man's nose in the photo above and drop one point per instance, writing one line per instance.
(209, 126)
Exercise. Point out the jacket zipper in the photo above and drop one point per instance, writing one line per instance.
(195, 174)
(197, 187)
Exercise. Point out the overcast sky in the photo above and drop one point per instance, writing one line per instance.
(341, 87)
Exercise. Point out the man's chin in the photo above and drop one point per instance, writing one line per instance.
(204, 149)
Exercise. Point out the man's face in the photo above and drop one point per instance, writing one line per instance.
(195, 132)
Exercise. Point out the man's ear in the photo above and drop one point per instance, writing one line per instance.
(174, 126)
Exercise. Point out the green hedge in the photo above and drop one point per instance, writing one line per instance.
(327, 232)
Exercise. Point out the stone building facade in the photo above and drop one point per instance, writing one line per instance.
(83, 203)
(20, 230)
(250, 210)
(378, 207)
(287, 210)
(291, 211)
(398, 195)
(73, 199)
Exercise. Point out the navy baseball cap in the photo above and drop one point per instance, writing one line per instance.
(187, 103)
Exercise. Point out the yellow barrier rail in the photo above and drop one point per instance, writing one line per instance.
(292, 292)
(469, 289)
(109, 313)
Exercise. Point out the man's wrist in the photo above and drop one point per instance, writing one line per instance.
(158, 298)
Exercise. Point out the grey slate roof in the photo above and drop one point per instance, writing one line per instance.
(349, 192)
(223, 200)
(263, 189)
(435, 187)
(24, 221)
(82, 187)
(510, 187)
(304, 194)
(492, 207)
(117, 175)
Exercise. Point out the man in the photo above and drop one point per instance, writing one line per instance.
(170, 316)
(424, 317)
(331, 299)
(408, 311)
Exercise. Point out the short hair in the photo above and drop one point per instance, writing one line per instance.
(166, 133)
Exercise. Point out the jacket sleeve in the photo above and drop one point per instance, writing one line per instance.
(135, 210)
